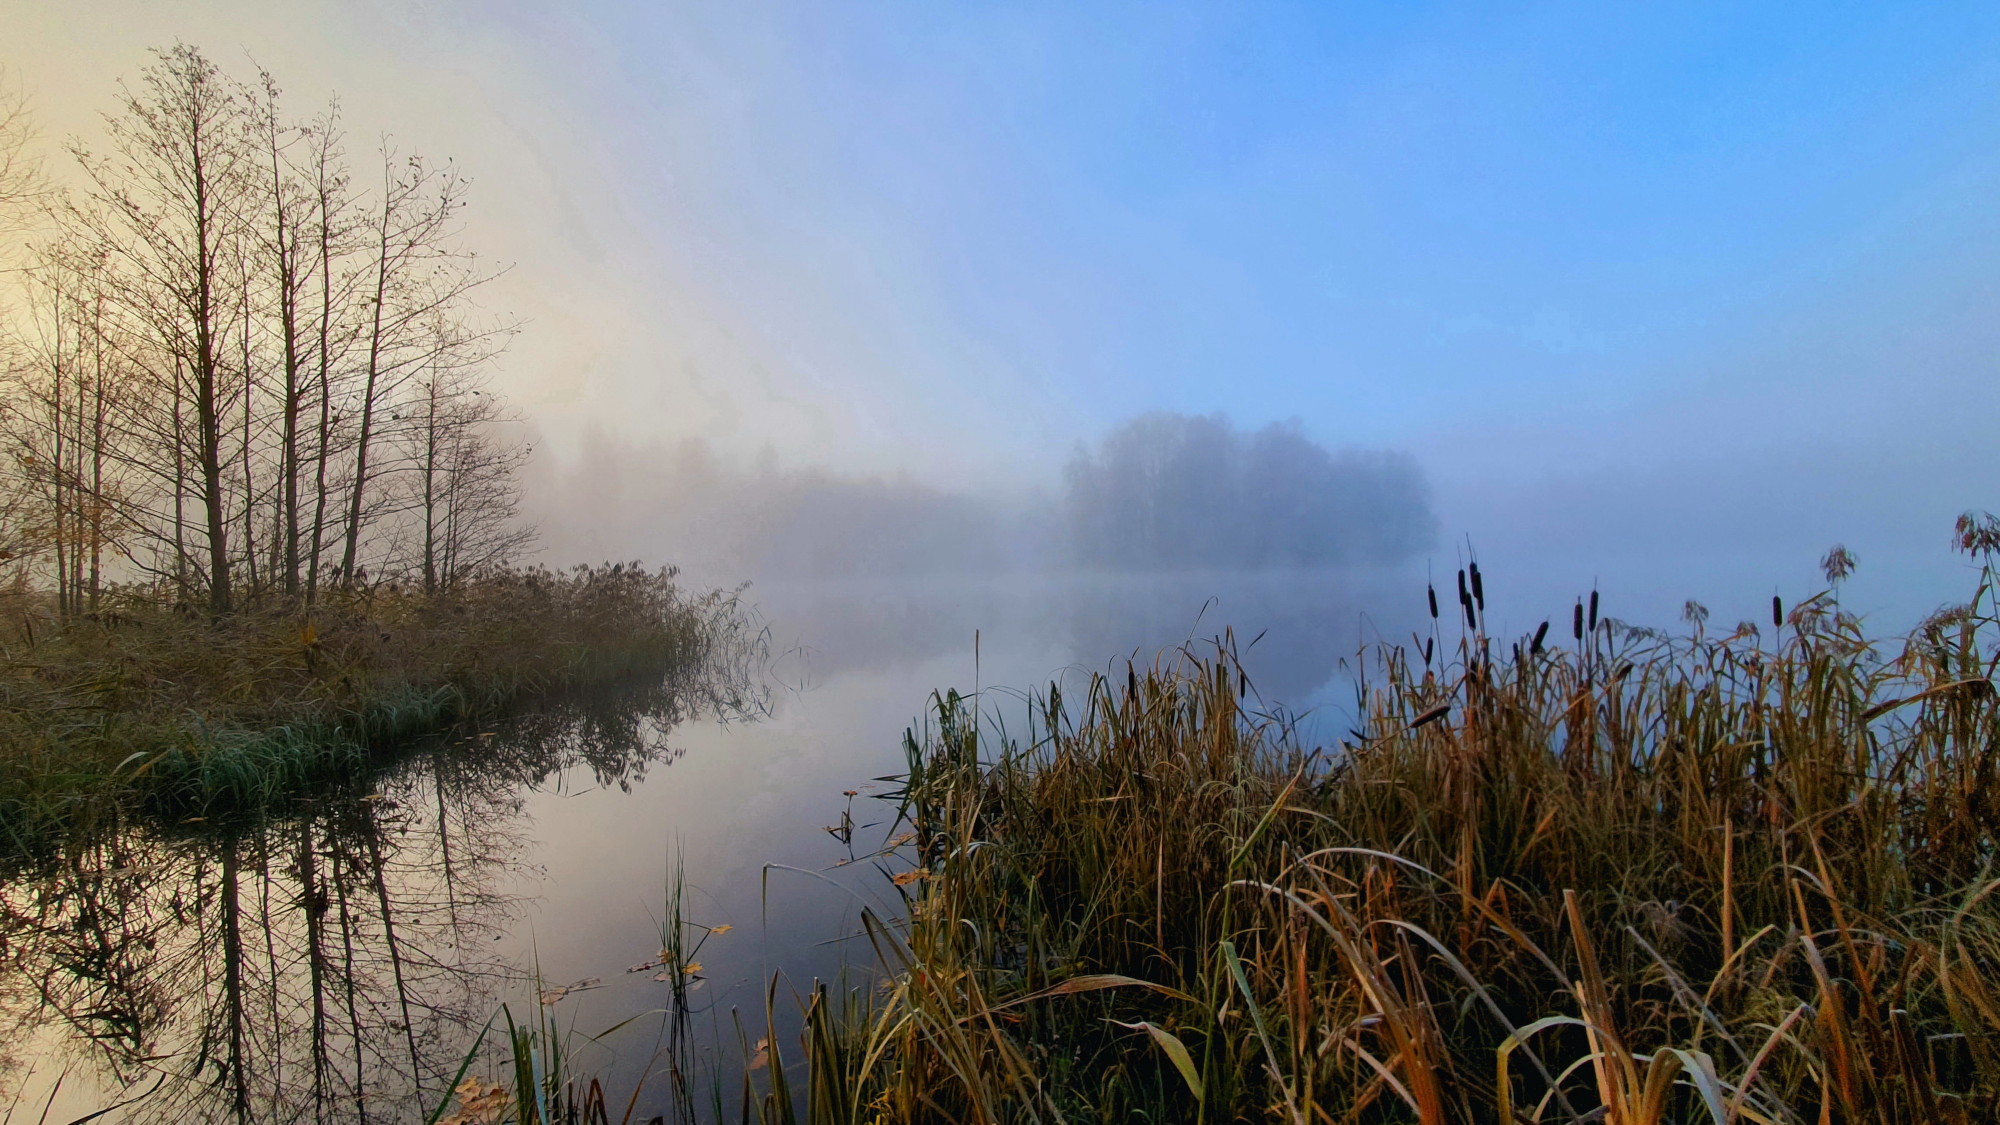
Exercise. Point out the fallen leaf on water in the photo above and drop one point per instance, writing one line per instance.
(691, 968)
(903, 839)
(908, 877)
(479, 1103)
(552, 995)
(722, 929)
(762, 1058)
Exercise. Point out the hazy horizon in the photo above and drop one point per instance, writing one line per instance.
(1669, 302)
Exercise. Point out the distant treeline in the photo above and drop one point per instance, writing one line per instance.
(1175, 492)
(1162, 493)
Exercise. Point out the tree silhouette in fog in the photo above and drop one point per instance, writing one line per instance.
(1171, 491)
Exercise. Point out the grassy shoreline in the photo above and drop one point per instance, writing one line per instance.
(1618, 877)
(144, 706)
(1627, 878)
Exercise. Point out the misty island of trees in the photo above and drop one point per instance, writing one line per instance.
(1162, 493)
(1174, 491)
(239, 368)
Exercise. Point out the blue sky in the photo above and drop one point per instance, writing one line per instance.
(1374, 222)
(1670, 295)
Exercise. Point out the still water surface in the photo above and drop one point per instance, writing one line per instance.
(334, 963)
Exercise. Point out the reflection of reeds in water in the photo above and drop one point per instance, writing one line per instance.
(327, 964)
(539, 1082)
(1646, 879)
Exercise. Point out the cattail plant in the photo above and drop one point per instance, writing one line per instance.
(1728, 882)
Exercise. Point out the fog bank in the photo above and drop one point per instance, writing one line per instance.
(1163, 493)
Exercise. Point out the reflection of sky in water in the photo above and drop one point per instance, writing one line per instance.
(859, 663)
(579, 820)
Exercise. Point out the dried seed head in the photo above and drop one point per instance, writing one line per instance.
(1432, 591)
(1777, 611)
(1837, 565)
(1463, 597)
(1536, 645)
(1593, 611)
(1478, 588)
(1576, 625)
(1978, 533)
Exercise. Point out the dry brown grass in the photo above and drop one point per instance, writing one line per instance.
(146, 702)
(1632, 879)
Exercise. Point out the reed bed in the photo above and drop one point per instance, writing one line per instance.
(1613, 877)
(144, 704)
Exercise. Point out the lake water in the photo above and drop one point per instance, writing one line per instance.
(334, 962)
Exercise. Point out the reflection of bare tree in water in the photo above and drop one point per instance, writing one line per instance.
(326, 965)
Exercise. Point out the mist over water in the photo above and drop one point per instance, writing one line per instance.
(1163, 493)
(1170, 530)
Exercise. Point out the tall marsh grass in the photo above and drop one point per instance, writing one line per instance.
(1612, 877)
(143, 702)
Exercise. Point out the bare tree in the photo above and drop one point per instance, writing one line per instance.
(237, 373)
(173, 203)
(422, 280)
(464, 468)
(333, 232)
(60, 433)
(286, 264)
(22, 185)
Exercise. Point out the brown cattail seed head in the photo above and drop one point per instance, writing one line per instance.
(1593, 611)
(1432, 591)
(1576, 624)
(1777, 611)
